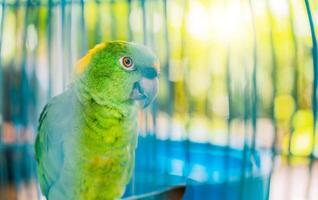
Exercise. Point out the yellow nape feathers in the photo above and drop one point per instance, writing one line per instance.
(82, 64)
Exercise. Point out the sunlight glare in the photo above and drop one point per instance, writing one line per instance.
(226, 21)
(217, 22)
(198, 22)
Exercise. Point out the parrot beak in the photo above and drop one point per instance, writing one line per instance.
(146, 89)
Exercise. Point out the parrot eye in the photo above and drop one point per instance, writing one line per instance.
(127, 63)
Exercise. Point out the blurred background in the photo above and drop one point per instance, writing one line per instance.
(237, 109)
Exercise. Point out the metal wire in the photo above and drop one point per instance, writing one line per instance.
(314, 91)
(3, 172)
(274, 84)
(249, 150)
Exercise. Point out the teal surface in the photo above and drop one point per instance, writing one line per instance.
(208, 171)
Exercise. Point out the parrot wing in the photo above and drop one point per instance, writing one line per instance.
(54, 122)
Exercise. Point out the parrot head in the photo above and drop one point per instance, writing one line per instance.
(120, 72)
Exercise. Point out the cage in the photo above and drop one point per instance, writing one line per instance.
(237, 109)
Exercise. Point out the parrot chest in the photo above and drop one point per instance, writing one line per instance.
(100, 154)
(104, 157)
(101, 146)
(101, 175)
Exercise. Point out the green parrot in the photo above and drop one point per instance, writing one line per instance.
(85, 147)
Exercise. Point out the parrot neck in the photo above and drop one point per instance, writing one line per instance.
(118, 110)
